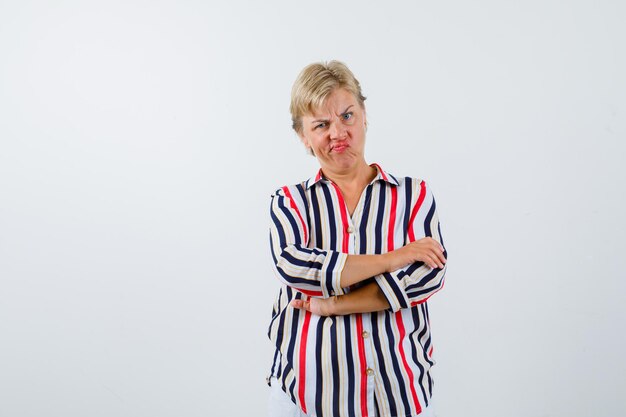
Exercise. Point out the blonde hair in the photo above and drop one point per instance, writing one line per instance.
(315, 83)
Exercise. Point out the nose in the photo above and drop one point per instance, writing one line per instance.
(337, 131)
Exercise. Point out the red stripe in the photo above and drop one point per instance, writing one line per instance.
(293, 206)
(344, 219)
(418, 407)
(418, 204)
(310, 292)
(430, 351)
(392, 218)
(414, 303)
(362, 361)
(382, 173)
(443, 282)
(305, 333)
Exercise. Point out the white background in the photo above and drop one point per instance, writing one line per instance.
(141, 140)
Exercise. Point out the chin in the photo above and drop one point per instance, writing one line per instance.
(345, 161)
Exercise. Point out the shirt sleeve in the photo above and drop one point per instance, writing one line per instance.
(415, 283)
(312, 271)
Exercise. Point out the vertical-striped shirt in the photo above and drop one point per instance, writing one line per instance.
(350, 365)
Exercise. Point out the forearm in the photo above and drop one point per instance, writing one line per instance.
(361, 267)
(366, 299)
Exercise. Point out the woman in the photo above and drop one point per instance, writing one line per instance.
(359, 252)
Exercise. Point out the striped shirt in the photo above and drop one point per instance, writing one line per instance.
(358, 364)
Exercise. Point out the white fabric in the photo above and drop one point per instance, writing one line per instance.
(280, 405)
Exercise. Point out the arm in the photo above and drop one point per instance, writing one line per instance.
(370, 297)
(365, 299)
(313, 271)
(324, 273)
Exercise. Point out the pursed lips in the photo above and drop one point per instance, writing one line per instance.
(340, 147)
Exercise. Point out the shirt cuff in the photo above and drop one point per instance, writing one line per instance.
(331, 273)
(391, 287)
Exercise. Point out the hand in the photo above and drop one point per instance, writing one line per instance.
(426, 250)
(319, 306)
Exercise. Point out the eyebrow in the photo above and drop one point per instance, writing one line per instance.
(326, 120)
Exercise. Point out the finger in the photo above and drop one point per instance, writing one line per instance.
(302, 305)
(429, 260)
(438, 253)
(442, 258)
(435, 262)
(437, 257)
(433, 244)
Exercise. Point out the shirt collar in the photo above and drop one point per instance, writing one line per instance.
(382, 176)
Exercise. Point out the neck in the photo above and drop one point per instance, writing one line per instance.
(358, 176)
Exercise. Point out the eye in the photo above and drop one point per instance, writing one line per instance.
(347, 116)
(320, 126)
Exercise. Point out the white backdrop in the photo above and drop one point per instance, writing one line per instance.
(141, 140)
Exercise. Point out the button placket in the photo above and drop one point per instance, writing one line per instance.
(350, 230)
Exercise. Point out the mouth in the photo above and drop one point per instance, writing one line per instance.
(340, 147)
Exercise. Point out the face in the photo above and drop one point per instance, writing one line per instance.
(335, 132)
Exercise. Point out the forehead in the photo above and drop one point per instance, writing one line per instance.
(335, 103)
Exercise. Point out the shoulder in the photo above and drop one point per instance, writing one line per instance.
(409, 181)
(417, 191)
(290, 190)
(290, 197)
(410, 184)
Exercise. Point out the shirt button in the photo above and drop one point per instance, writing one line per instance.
(369, 372)
(350, 229)
(365, 334)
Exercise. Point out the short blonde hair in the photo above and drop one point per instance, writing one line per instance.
(314, 85)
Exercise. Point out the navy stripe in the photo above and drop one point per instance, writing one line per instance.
(282, 239)
(328, 279)
(274, 363)
(331, 219)
(299, 262)
(365, 220)
(396, 289)
(292, 390)
(351, 370)
(378, 228)
(319, 334)
(414, 350)
(408, 191)
(294, 330)
(410, 270)
(319, 233)
(292, 279)
(419, 285)
(279, 367)
(381, 362)
(302, 193)
(290, 218)
(394, 363)
(334, 359)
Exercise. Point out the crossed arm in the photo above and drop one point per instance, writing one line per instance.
(402, 278)
(370, 297)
